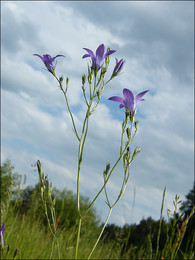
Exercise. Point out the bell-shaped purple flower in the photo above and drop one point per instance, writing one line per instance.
(118, 67)
(48, 61)
(129, 102)
(97, 59)
(1, 233)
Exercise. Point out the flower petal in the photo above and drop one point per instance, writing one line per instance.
(85, 56)
(58, 56)
(100, 51)
(117, 99)
(118, 67)
(100, 55)
(128, 95)
(139, 96)
(108, 53)
(38, 56)
(121, 105)
(91, 54)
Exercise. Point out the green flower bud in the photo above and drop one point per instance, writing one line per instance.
(107, 167)
(132, 118)
(67, 81)
(135, 153)
(108, 57)
(107, 170)
(39, 165)
(127, 114)
(124, 160)
(103, 71)
(98, 94)
(83, 79)
(128, 133)
(61, 79)
(136, 125)
(90, 78)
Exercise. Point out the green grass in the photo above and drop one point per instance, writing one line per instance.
(34, 241)
(26, 229)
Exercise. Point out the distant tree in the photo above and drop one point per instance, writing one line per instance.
(66, 209)
(10, 184)
(186, 207)
(31, 205)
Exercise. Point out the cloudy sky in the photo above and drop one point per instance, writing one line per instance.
(156, 39)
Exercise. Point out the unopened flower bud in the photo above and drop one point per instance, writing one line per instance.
(61, 79)
(136, 125)
(127, 114)
(90, 78)
(83, 79)
(98, 94)
(107, 170)
(67, 81)
(108, 57)
(103, 71)
(135, 153)
(128, 133)
(132, 118)
(107, 167)
(39, 169)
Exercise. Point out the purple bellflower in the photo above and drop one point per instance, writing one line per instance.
(118, 67)
(97, 59)
(1, 233)
(48, 61)
(130, 102)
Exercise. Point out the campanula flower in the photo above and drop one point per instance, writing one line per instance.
(48, 61)
(118, 67)
(129, 102)
(1, 233)
(97, 59)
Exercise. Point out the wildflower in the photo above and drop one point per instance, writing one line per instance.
(118, 67)
(1, 233)
(48, 61)
(130, 102)
(97, 59)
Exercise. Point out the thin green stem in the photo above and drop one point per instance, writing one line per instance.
(80, 155)
(55, 230)
(111, 207)
(78, 236)
(159, 230)
(121, 155)
(101, 232)
(64, 92)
